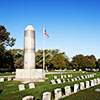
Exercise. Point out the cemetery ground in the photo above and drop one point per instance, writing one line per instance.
(9, 89)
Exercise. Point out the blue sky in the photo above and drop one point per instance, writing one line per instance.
(73, 25)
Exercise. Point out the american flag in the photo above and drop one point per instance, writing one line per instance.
(44, 31)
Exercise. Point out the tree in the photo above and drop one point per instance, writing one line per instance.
(5, 41)
(18, 56)
(82, 62)
(77, 61)
(49, 54)
(58, 61)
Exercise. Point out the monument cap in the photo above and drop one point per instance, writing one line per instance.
(29, 27)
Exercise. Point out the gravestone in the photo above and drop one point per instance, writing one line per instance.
(46, 96)
(62, 76)
(87, 84)
(58, 93)
(78, 78)
(53, 82)
(86, 76)
(98, 80)
(68, 80)
(21, 87)
(1, 79)
(9, 79)
(28, 98)
(72, 80)
(65, 76)
(92, 82)
(68, 75)
(76, 88)
(67, 90)
(75, 79)
(71, 76)
(64, 81)
(95, 82)
(97, 90)
(74, 69)
(55, 77)
(31, 85)
(59, 81)
(80, 69)
(82, 77)
(82, 85)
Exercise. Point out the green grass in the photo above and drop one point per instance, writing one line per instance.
(9, 89)
(5, 74)
(87, 94)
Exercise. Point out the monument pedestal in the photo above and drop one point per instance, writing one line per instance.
(33, 75)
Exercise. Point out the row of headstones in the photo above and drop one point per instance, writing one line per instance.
(73, 79)
(22, 86)
(2, 79)
(58, 92)
(63, 76)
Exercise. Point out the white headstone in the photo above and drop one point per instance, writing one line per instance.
(58, 93)
(78, 78)
(62, 76)
(68, 80)
(85, 76)
(67, 90)
(28, 98)
(21, 87)
(65, 76)
(55, 77)
(68, 75)
(72, 80)
(82, 77)
(76, 88)
(64, 81)
(92, 82)
(80, 69)
(75, 79)
(1, 79)
(88, 76)
(53, 82)
(87, 84)
(31, 85)
(97, 90)
(9, 79)
(71, 75)
(98, 80)
(82, 86)
(59, 81)
(46, 96)
(74, 69)
(95, 82)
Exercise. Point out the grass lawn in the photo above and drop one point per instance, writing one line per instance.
(9, 89)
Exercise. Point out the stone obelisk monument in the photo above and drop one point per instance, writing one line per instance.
(29, 47)
(29, 73)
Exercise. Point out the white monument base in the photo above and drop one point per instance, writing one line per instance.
(33, 75)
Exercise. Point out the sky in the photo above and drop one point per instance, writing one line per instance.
(73, 25)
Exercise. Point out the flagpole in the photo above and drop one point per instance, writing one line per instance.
(43, 53)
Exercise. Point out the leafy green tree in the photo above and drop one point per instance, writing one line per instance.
(58, 61)
(82, 62)
(5, 40)
(18, 56)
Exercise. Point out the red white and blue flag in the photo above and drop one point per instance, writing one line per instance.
(44, 31)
